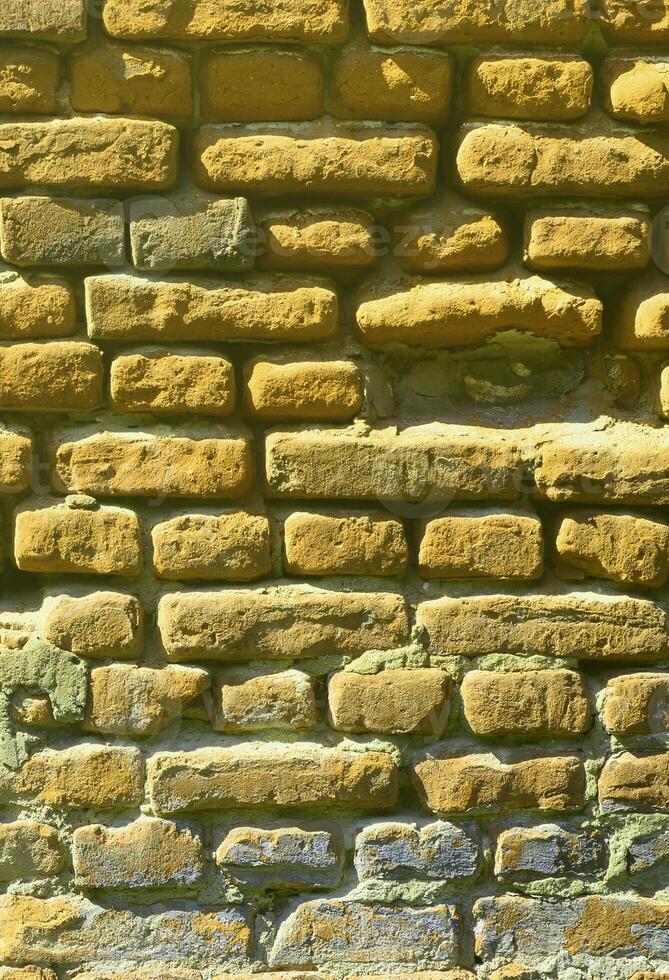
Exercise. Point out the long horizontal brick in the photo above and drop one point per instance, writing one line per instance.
(50, 377)
(213, 778)
(44, 20)
(435, 462)
(149, 464)
(451, 313)
(68, 930)
(597, 926)
(535, 86)
(533, 160)
(313, 21)
(35, 306)
(460, 22)
(16, 450)
(606, 240)
(482, 782)
(622, 463)
(173, 383)
(390, 702)
(124, 154)
(581, 625)
(283, 622)
(272, 307)
(325, 157)
(350, 933)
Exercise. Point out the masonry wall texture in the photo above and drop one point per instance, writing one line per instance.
(334, 475)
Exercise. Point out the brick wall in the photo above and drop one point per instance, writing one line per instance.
(334, 475)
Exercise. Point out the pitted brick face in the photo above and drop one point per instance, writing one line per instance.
(334, 470)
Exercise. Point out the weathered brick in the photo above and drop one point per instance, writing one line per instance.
(285, 622)
(397, 851)
(286, 388)
(606, 240)
(47, 20)
(646, 855)
(286, 859)
(634, 23)
(273, 307)
(333, 543)
(633, 781)
(636, 89)
(150, 464)
(533, 86)
(77, 536)
(16, 449)
(173, 383)
(459, 22)
(640, 322)
(88, 154)
(191, 231)
(326, 238)
(29, 79)
(140, 701)
(233, 546)
(139, 81)
(86, 776)
(67, 930)
(47, 377)
(449, 234)
(597, 926)
(61, 231)
(261, 775)
(320, 158)
(29, 850)
(533, 160)
(622, 463)
(29, 973)
(395, 86)
(527, 704)
(528, 853)
(247, 701)
(148, 853)
(482, 544)
(637, 704)
(35, 306)
(451, 313)
(312, 21)
(662, 396)
(390, 702)
(260, 85)
(584, 626)
(442, 462)
(348, 933)
(631, 548)
(482, 782)
(98, 625)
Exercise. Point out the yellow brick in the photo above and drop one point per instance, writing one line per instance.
(16, 450)
(29, 850)
(234, 546)
(635, 780)
(578, 238)
(46, 20)
(35, 306)
(481, 782)
(98, 625)
(637, 89)
(28, 80)
(317, 238)
(135, 80)
(245, 702)
(140, 701)
(260, 85)
(642, 313)
(391, 702)
(324, 157)
(257, 776)
(125, 154)
(637, 704)
(526, 704)
(530, 87)
(170, 382)
(77, 536)
(630, 23)
(395, 86)
(150, 464)
(273, 307)
(313, 21)
(61, 377)
(286, 388)
(480, 544)
(344, 544)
